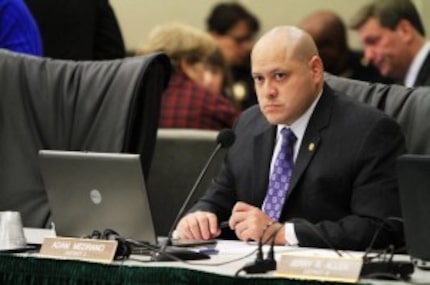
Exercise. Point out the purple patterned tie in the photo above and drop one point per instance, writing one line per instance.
(280, 176)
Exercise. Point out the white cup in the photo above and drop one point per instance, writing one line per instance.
(11, 231)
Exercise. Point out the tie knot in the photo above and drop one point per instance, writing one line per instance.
(288, 136)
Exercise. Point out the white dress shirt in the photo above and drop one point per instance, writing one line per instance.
(414, 68)
(298, 128)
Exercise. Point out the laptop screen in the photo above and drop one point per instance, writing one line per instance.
(414, 188)
(90, 191)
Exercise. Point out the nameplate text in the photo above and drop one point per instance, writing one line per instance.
(79, 249)
(298, 266)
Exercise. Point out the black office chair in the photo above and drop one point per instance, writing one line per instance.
(410, 107)
(106, 106)
(179, 157)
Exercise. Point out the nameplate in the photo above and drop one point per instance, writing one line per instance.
(79, 249)
(310, 267)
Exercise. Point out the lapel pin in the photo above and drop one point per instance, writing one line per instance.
(311, 147)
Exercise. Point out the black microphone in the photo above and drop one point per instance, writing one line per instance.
(381, 267)
(224, 139)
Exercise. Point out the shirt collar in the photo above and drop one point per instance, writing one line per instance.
(299, 126)
(414, 68)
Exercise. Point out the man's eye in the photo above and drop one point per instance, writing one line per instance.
(258, 79)
(372, 41)
(279, 76)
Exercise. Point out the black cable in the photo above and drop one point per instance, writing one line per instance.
(156, 248)
(313, 228)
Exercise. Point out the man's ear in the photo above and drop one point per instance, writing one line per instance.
(317, 67)
(405, 30)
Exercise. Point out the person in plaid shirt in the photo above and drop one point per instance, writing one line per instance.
(187, 101)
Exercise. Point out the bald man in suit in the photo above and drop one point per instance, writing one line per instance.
(343, 184)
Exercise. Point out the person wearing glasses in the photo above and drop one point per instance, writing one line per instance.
(233, 28)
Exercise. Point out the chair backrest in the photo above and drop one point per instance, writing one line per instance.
(179, 156)
(107, 106)
(409, 107)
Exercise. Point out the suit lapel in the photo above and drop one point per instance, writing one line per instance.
(423, 77)
(312, 138)
(263, 149)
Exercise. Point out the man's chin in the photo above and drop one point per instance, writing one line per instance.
(274, 120)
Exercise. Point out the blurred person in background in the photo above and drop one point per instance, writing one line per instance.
(218, 76)
(234, 28)
(78, 29)
(393, 38)
(18, 29)
(330, 35)
(188, 102)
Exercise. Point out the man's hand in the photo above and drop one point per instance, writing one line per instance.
(249, 222)
(198, 225)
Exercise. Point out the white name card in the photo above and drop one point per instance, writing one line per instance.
(79, 249)
(311, 267)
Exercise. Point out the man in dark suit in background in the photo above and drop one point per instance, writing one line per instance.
(393, 38)
(336, 168)
(329, 33)
(78, 30)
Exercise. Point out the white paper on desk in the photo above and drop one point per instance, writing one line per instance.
(240, 247)
(36, 235)
(234, 246)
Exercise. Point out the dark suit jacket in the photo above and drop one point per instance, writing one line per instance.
(78, 29)
(423, 78)
(346, 186)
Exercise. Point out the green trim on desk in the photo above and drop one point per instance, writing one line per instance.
(30, 270)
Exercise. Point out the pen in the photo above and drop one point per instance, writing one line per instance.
(208, 250)
(223, 225)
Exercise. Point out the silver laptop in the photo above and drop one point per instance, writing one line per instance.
(414, 188)
(90, 191)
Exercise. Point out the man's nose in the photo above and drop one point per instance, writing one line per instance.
(269, 89)
(369, 54)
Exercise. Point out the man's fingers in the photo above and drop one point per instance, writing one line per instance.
(198, 225)
(213, 226)
(240, 207)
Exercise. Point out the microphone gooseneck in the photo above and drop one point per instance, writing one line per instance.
(382, 266)
(271, 254)
(224, 139)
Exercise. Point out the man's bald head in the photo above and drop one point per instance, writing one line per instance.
(298, 44)
(288, 73)
(325, 25)
(329, 33)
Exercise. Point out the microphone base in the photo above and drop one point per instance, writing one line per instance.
(177, 254)
(260, 266)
